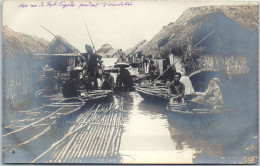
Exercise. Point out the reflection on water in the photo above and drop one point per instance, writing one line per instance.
(146, 138)
(153, 135)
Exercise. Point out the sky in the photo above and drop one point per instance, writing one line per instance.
(120, 26)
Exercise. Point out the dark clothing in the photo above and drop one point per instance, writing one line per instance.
(152, 71)
(177, 90)
(92, 60)
(169, 74)
(108, 83)
(92, 68)
(70, 88)
(124, 78)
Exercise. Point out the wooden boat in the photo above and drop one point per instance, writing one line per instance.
(159, 94)
(96, 95)
(153, 93)
(85, 97)
(187, 108)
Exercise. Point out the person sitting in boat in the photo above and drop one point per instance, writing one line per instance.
(124, 78)
(212, 97)
(109, 81)
(70, 88)
(176, 89)
(49, 81)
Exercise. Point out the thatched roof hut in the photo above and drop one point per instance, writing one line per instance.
(106, 51)
(19, 80)
(136, 48)
(215, 36)
(61, 55)
(16, 44)
(60, 46)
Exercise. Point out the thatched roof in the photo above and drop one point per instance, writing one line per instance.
(174, 36)
(106, 50)
(136, 48)
(60, 46)
(16, 44)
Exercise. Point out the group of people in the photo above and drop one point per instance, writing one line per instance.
(211, 98)
(87, 77)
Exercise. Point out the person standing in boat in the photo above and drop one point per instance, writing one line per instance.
(176, 89)
(92, 66)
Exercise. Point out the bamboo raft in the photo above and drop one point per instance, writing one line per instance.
(36, 122)
(41, 119)
(94, 137)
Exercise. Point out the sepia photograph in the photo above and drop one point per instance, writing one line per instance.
(130, 82)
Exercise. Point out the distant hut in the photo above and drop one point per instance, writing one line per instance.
(61, 55)
(107, 51)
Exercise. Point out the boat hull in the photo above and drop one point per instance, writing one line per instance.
(186, 109)
(153, 94)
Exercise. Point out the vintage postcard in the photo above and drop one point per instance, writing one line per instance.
(130, 81)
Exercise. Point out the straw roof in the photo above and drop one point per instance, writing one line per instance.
(19, 44)
(174, 36)
(60, 46)
(107, 50)
(136, 48)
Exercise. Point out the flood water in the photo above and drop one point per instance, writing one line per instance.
(150, 134)
(154, 135)
(147, 138)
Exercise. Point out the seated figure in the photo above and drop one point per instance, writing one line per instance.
(176, 89)
(109, 81)
(212, 97)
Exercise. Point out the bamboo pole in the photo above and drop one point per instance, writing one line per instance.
(113, 142)
(86, 142)
(93, 116)
(58, 142)
(101, 136)
(109, 138)
(92, 137)
(82, 142)
(75, 143)
(108, 117)
(31, 110)
(119, 136)
(32, 123)
(94, 140)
